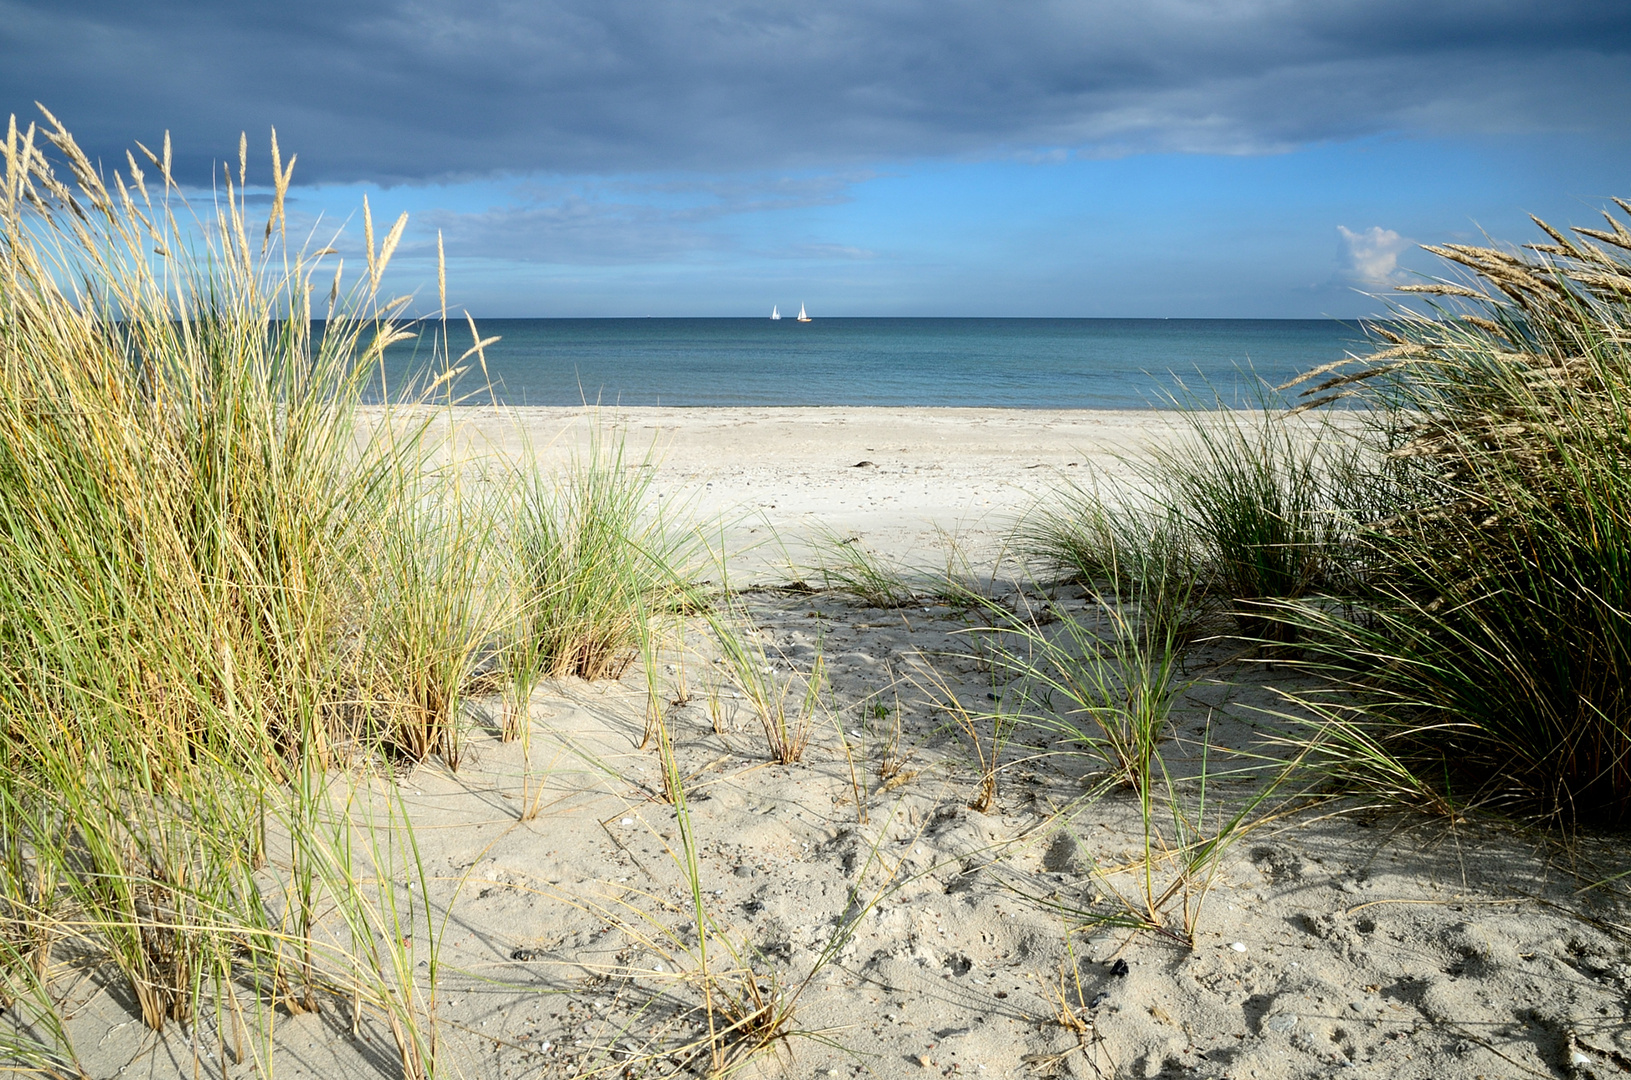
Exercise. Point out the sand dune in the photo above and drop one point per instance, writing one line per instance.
(908, 933)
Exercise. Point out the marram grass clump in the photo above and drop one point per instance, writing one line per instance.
(193, 527)
(1242, 511)
(1492, 661)
(1452, 554)
(231, 561)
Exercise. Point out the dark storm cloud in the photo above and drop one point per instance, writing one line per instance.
(396, 90)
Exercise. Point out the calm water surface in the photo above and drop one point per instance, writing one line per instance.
(1007, 363)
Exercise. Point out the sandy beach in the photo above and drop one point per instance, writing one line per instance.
(909, 933)
(902, 480)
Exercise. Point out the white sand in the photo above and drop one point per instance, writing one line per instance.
(902, 480)
(929, 938)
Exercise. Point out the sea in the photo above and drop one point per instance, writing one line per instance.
(993, 363)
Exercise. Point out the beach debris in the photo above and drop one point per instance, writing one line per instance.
(1098, 999)
(1119, 969)
(902, 777)
(1238, 946)
(864, 464)
(1283, 1023)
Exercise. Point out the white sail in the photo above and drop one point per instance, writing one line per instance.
(775, 312)
(802, 316)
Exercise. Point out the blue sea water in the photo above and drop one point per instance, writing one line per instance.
(1006, 363)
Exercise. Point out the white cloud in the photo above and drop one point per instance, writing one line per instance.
(1370, 256)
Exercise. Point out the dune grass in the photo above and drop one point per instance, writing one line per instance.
(1102, 684)
(788, 703)
(843, 564)
(226, 572)
(1450, 556)
(590, 555)
(196, 529)
(1243, 509)
(1492, 661)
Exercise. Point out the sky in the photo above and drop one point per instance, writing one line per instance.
(1123, 158)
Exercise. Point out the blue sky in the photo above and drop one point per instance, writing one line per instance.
(1206, 158)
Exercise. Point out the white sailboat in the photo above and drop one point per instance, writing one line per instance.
(775, 313)
(802, 316)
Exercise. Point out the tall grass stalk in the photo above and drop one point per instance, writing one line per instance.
(1103, 684)
(974, 725)
(435, 560)
(748, 1007)
(842, 563)
(35, 1037)
(1185, 835)
(787, 706)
